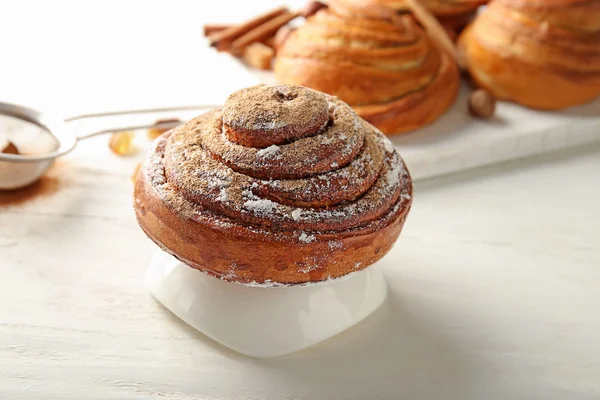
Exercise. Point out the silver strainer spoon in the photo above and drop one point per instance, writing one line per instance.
(19, 170)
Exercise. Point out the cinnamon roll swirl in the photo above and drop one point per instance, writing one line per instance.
(387, 69)
(284, 185)
(543, 54)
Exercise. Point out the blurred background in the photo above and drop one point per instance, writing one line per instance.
(74, 56)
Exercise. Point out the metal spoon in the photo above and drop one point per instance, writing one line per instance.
(19, 170)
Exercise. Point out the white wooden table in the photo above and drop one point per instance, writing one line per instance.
(494, 293)
(494, 283)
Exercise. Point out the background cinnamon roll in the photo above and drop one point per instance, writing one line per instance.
(388, 70)
(452, 13)
(284, 185)
(541, 53)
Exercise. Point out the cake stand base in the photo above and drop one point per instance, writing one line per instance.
(264, 322)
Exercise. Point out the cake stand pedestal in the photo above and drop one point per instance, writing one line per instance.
(264, 322)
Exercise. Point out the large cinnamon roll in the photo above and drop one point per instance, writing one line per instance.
(543, 54)
(387, 69)
(284, 185)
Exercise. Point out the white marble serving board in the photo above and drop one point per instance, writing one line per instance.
(458, 142)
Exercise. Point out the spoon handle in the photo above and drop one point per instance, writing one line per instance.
(89, 125)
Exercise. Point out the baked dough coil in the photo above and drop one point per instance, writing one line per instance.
(544, 54)
(284, 185)
(388, 70)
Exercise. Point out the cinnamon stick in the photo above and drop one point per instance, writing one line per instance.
(270, 41)
(265, 30)
(236, 31)
(258, 55)
(434, 28)
(209, 29)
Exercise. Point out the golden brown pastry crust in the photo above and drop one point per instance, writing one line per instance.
(542, 54)
(390, 73)
(452, 13)
(296, 226)
(437, 7)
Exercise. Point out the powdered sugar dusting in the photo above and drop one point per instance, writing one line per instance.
(268, 284)
(271, 151)
(231, 274)
(387, 144)
(335, 244)
(217, 180)
(306, 238)
(308, 268)
(262, 207)
(326, 140)
(392, 177)
(268, 125)
(265, 285)
(222, 197)
(296, 214)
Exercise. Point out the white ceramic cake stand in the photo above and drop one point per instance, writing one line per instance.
(264, 322)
